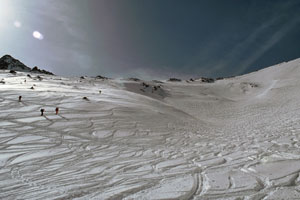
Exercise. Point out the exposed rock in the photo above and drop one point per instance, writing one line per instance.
(40, 78)
(134, 79)
(7, 62)
(207, 80)
(175, 80)
(148, 89)
(37, 70)
(221, 78)
(12, 72)
(101, 77)
(253, 85)
(156, 87)
(145, 85)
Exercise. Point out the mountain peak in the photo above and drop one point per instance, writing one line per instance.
(7, 62)
(6, 56)
(10, 63)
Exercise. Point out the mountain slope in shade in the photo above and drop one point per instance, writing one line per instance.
(235, 138)
(8, 62)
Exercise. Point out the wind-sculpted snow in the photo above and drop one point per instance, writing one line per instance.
(233, 139)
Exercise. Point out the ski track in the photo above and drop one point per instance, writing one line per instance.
(121, 145)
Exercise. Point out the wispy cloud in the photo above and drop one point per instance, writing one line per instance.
(236, 58)
(241, 48)
(274, 39)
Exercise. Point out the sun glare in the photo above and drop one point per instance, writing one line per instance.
(37, 35)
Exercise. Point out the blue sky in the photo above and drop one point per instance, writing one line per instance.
(151, 39)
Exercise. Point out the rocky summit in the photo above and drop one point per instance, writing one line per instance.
(7, 62)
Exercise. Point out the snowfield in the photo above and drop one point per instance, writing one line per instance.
(234, 139)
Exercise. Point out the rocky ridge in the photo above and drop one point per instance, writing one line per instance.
(7, 62)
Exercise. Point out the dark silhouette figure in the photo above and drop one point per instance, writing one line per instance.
(20, 98)
(56, 110)
(42, 111)
(99, 91)
(85, 98)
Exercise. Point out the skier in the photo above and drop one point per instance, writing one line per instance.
(20, 98)
(56, 110)
(42, 111)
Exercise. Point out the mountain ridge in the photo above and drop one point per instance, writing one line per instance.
(7, 62)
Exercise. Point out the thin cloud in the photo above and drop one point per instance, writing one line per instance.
(274, 39)
(242, 47)
(232, 57)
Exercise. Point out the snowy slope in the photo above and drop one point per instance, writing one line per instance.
(237, 138)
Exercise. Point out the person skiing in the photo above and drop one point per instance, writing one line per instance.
(42, 111)
(20, 98)
(56, 110)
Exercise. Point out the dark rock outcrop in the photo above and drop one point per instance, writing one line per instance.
(175, 80)
(145, 85)
(12, 71)
(8, 62)
(134, 79)
(101, 77)
(207, 80)
(41, 71)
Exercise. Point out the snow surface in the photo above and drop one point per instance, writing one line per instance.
(237, 138)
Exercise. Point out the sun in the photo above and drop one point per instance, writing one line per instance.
(37, 35)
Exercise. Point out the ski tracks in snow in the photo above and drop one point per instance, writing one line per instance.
(111, 150)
